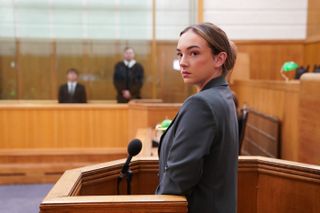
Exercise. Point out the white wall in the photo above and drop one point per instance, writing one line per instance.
(259, 19)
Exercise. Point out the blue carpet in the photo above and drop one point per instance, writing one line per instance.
(22, 198)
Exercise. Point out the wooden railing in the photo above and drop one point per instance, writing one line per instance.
(264, 185)
(261, 136)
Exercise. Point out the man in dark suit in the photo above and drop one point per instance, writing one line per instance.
(128, 77)
(72, 91)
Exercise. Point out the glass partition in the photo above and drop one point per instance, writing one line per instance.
(40, 40)
(8, 71)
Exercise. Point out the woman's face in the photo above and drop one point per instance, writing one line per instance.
(197, 64)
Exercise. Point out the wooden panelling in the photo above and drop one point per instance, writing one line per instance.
(42, 66)
(270, 185)
(53, 70)
(312, 46)
(63, 126)
(309, 119)
(47, 165)
(36, 124)
(35, 76)
(147, 137)
(144, 181)
(241, 70)
(71, 155)
(101, 179)
(8, 78)
(40, 139)
(312, 53)
(267, 57)
(313, 23)
(264, 185)
(279, 99)
(247, 192)
(262, 59)
(288, 197)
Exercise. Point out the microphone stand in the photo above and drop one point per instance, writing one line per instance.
(128, 176)
(133, 149)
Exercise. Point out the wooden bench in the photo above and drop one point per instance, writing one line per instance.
(261, 136)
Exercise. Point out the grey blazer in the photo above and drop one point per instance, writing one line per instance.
(198, 154)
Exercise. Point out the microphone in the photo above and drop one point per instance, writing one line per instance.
(134, 148)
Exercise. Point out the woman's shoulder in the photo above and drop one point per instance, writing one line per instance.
(195, 101)
(204, 96)
(208, 98)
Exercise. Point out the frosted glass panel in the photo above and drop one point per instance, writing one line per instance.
(172, 17)
(76, 19)
(6, 20)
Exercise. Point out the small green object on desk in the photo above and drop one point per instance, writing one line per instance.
(164, 124)
(289, 66)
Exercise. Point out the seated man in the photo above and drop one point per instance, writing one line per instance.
(72, 91)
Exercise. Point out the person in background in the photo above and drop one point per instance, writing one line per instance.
(198, 153)
(128, 77)
(72, 91)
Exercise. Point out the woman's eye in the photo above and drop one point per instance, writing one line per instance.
(194, 53)
(179, 55)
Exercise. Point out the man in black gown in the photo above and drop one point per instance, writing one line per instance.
(128, 77)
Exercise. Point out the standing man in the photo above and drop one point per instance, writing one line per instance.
(72, 91)
(128, 77)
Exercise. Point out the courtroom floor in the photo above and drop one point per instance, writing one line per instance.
(22, 198)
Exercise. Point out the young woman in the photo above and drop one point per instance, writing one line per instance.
(199, 151)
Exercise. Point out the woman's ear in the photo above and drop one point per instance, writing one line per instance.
(219, 59)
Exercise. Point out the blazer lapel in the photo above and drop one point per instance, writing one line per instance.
(162, 136)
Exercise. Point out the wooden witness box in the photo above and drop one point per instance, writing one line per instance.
(264, 185)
